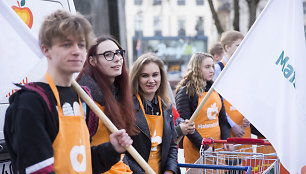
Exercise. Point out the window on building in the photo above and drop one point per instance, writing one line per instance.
(180, 2)
(199, 27)
(200, 2)
(304, 7)
(157, 2)
(305, 30)
(157, 26)
(138, 2)
(181, 27)
(138, 22)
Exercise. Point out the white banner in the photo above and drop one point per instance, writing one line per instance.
(266, 80)
(20, 52)
(19, 49)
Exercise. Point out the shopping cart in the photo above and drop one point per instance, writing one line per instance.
(246, 159)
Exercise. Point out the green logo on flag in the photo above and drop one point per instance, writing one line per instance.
(287, 69)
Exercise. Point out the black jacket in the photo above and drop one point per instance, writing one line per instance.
(186, 105)
(32, 119)
(142, 141)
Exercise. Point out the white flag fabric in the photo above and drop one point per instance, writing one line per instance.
(266, 80)
(19, 49)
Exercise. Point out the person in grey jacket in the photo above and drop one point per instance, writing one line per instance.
(156, 140)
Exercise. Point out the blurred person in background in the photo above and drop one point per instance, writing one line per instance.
(217, 52)
(240, 126)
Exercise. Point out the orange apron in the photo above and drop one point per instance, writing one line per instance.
(156, 127)
(72, 153)
(237, 117)
(206, 123)
(102, 136)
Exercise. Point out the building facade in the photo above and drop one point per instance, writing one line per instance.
(175, 29)
(172, 29)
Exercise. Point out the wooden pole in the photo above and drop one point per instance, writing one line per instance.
(110, 126)
(196, 112)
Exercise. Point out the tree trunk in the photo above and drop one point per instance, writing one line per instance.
(236, 15)
(252, 4)
(215, 16)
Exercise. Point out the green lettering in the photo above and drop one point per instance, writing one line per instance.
(282, 60)
(293, 77)
(288, 71)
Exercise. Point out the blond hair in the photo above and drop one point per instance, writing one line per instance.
(136, 70)
(60, 24)
(229, 37)
(193, 79)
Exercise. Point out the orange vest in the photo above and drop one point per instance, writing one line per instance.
(71, 146)
(206, 123)
(102, 136)
(156, 127)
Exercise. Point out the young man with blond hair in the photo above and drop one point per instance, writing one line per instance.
(45, 125)
(230, 40)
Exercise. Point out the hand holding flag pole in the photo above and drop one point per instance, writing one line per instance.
(110, 126)
(196, 112)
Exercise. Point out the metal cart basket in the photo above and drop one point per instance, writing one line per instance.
(252, 156)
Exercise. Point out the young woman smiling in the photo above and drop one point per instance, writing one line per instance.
(156, 139)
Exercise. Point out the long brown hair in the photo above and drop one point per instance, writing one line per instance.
(193, 78)
(143, 60)
(120, 112)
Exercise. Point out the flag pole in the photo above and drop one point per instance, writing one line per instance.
(196, 112)
(110, 126)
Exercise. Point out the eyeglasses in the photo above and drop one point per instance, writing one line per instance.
(109, 55)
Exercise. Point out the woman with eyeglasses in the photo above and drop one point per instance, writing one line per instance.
(106, 75)
(156, 139)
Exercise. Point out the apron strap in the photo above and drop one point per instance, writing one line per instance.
(54, 90)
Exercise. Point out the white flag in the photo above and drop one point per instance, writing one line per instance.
(266, 80)
(19, 50)
(21, 58)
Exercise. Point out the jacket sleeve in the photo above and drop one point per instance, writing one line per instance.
(223, 123)
(103, 157)
(184, 105)
(255, 131)
(172, 154)
(29, 133)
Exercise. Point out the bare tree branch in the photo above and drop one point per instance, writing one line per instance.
(252, 4)
(215, 16)
(236, 15)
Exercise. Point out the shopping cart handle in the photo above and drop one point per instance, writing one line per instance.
(247, 141)
(212, 141)
(207, 141)
(236, 141)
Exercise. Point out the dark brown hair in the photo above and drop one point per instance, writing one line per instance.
(121, 112)
(216, 49)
